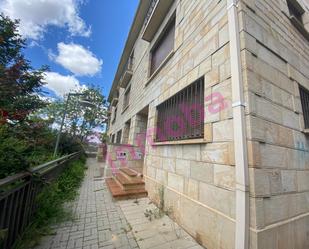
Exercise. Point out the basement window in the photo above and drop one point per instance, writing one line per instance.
(181, 117)
(296, 17)
(304, 97)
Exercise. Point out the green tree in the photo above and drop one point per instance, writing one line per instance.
(80, 119)
(26, 139)
(93, 116)
(23, 141)
(20, 84)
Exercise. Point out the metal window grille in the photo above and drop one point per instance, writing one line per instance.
(182, 116)
(304, 96)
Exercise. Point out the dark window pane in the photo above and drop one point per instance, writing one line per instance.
(115, 114)
(182, 116)
(304, 96)
(126, 97)
(164, 46)
(295, 10)
(118, 138)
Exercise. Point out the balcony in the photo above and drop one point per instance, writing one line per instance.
(157, 12)
(127, 74)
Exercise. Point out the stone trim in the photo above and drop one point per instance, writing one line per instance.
(182, 142)
(279, 223)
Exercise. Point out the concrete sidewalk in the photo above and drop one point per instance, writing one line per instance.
(101, 222)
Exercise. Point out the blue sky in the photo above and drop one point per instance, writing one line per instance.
(80, 40)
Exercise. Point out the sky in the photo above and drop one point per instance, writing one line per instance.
(80, 40)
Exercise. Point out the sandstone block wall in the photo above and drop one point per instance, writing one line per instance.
(275, 59)
(199, 179)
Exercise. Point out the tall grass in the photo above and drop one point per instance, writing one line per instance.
(50, 204)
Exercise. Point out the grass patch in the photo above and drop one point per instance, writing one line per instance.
(50, 204)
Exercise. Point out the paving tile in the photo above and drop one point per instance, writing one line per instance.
(97, 219)
(101, 223)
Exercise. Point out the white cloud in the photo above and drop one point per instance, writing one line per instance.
(77, 59)
(36, 15)
(61, 84)
(47, 99)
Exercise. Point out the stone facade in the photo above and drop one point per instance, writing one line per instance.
(276, 61)
(199, 176)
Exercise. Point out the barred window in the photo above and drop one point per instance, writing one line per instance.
(182, 116)
(163, 48)
(304, 97)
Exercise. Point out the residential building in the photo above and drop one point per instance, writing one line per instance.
(214, 96)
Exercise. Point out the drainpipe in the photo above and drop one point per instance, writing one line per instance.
(240, 141)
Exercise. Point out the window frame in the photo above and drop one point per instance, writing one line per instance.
(295, 9)
(187, 138)
(115, 114)
(304, 99)
(295, 13)
(126, 99)
(171, 22)
(118, 136)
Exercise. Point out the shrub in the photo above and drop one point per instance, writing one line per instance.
(12, 154)
(50, 204)
(69, 144)
(27, 145)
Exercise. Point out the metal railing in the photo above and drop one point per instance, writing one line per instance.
(18, 194)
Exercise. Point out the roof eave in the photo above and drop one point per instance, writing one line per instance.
(135, 30)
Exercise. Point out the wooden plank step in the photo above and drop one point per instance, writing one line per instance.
(118, 193)
(128, 182)
(139, 171)
(129, 172)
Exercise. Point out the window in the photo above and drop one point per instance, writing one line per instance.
(113, 138)
(182, 116)
(304, 97)
(126, 99)
(296, 17)
(163, 47)
(118, 138)
(296, 10)
(115, 115)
